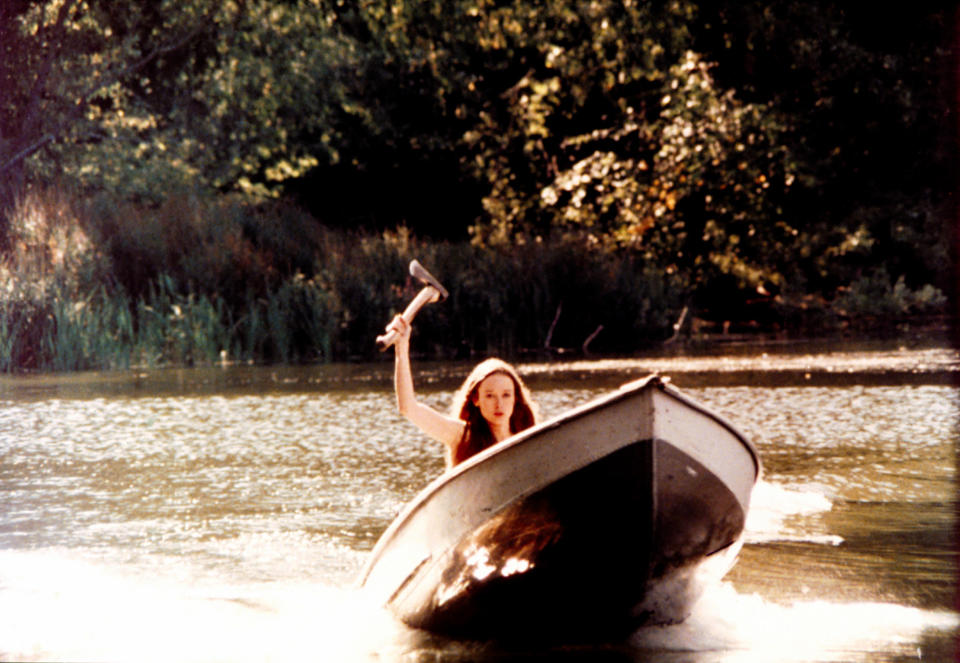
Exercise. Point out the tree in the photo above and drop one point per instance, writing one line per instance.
(65, 73)
(867, 94)
(598, 121)
(791, 145)
(143, 100)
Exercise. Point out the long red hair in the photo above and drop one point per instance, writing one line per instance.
(477, 435)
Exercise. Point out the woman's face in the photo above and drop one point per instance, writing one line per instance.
(495, 398)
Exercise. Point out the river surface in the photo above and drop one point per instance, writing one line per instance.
(222, 514)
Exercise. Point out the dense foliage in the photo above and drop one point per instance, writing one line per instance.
(793, 153)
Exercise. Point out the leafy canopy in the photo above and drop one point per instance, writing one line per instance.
(773, 144)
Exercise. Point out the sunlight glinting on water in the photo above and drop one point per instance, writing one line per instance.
(186, 474)
(872, 458)
(230, 526)
(836, 363)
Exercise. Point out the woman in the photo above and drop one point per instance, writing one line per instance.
(490, 406)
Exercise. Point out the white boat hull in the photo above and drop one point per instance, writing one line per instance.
(606, 518)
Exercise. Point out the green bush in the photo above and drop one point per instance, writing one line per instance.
(875, 294)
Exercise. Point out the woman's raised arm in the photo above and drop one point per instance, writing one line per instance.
(437, 425)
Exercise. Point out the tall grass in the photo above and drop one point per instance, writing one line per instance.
(101, 286)
(93, 332)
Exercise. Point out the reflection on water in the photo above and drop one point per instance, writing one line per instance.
(223, 514)
(173, 475)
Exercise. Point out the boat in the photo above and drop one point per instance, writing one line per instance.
(609, 517)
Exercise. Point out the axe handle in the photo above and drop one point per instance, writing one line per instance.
(426, 296)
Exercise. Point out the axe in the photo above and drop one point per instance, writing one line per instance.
(432, 292)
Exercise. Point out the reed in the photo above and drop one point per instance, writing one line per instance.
(14, 327)
(556, 294)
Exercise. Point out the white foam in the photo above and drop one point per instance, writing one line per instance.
(749, 628)
(55, 607)
(773, 504)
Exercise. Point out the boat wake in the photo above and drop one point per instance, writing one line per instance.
(734, 627)
(774, 505)
(737, 628)
(100, 613)
(57, 607)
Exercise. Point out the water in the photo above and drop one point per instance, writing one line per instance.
(222, 514)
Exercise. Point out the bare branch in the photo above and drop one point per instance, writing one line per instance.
(23, 154)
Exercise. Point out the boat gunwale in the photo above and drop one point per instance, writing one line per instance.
(668, 388)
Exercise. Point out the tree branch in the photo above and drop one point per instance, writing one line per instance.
(129, 69)
(26, 152)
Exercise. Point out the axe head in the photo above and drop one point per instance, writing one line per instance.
(418, 272)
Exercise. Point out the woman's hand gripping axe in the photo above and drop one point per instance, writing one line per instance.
(431, 292)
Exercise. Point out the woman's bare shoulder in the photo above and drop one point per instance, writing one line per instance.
(441, 427)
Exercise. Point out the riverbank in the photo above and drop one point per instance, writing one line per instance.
(101, 286)
(917, 360)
